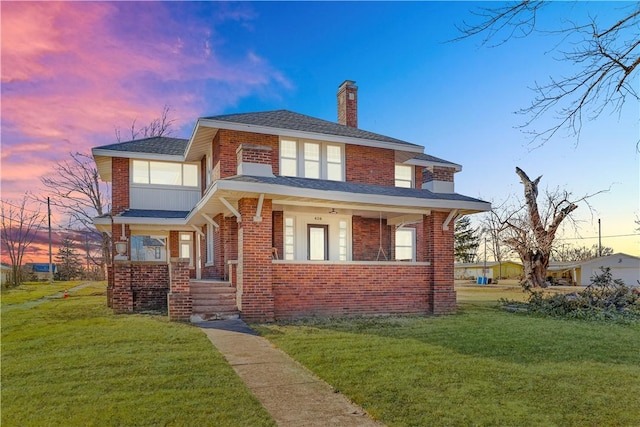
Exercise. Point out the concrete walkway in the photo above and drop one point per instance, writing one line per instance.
(292, 395)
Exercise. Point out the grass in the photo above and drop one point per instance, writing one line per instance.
(72, 362)
(31, 291)
(481, 366)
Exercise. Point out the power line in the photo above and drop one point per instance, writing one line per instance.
(595, 237)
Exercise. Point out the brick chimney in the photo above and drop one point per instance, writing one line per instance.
(348, 104)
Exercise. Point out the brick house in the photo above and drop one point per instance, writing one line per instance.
(277, 215)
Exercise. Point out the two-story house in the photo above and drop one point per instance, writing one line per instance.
(288, 215)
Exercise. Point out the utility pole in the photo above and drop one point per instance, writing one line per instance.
(484, 269)
(50, 256)
(599, 239)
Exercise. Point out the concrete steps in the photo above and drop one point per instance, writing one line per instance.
(213, 300)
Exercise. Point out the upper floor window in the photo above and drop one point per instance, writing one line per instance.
(319, 160)
(404, 176)
(165, 173)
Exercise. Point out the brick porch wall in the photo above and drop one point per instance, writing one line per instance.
(139, 287)
(335, 289)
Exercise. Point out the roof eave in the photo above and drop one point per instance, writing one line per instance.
(137, 155)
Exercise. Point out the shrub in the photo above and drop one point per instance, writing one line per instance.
(604, 299)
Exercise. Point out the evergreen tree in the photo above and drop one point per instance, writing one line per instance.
(68, 261)
(466, 240)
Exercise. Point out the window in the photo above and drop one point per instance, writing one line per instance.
(209, 244)
(311, 160)
(317, 238)
(404, 176)
(405, 244)
(164, 173)
(334, 163)
(148, 248)
(288, 158)
(186, 247)
(318, 160)
(289, 238)
(342, 241)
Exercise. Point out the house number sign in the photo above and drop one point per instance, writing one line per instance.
(318, 218)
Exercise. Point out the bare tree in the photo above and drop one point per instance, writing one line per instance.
(605, 55)
(569, 253)
(492, 229)
(161, 126)
(530, 232)
(17, 231)
(75, 189)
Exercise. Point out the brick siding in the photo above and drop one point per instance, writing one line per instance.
(120, 185)
(366, 239)
(225, 144)
(368, 165)
(437, 173)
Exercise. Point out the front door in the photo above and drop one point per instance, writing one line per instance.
(318, 242)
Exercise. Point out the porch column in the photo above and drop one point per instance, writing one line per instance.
(179, 299)
(254, 274)
(439, 252)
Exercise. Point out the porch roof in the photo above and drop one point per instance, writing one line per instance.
(294, 191)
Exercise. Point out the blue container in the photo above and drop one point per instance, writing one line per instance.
(482, 280)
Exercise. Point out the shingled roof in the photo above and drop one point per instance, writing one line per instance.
(351, 187)
(154, 145)
(285, 119)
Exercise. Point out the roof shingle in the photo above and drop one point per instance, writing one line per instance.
(285, 119)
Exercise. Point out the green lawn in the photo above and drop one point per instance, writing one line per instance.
(70, 362)
(482, 366)
(32, 291)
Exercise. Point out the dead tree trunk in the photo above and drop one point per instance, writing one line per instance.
(532, 237)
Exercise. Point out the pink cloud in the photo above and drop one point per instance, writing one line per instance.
(74, 71)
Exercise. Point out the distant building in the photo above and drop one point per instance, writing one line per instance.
(494, 270)
(5, 273)
(623, 266)
(40, 270)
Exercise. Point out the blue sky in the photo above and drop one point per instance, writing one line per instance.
(72, 72)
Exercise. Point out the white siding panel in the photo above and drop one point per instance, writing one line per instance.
(165, 199)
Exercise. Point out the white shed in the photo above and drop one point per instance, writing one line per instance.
(623, 266)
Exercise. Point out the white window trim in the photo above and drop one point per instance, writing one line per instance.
(300, 158)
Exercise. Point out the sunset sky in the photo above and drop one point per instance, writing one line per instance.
(73, 72)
